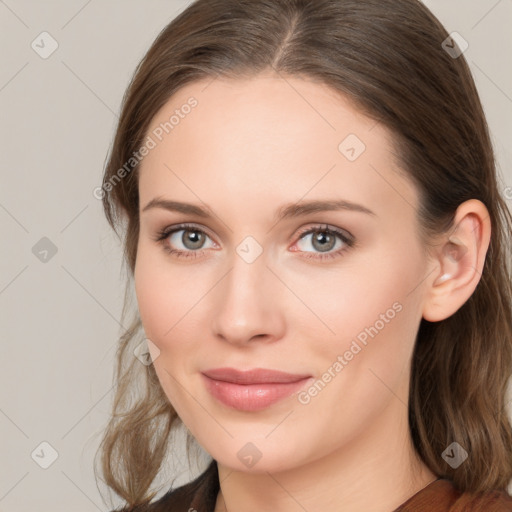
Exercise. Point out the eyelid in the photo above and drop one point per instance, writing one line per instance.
(326, 227)
(187, 226)
(308, 229)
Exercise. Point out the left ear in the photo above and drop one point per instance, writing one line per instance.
(459, 260)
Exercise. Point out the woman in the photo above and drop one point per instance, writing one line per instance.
(318, 248)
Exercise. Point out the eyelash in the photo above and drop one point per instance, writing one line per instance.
(349, 242)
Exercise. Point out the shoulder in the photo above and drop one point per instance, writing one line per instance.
(198, 496)
(442, 496)
(493, 501)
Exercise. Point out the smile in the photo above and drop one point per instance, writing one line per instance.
(251, 390)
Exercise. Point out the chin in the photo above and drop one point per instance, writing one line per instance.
(258, 455)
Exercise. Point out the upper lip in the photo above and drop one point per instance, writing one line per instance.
(254, 376)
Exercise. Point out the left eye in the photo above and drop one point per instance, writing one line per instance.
(320, 240)
(324, 240)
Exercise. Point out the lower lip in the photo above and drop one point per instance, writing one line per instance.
(251, 397)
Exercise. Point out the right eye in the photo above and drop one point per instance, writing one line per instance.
(183, 241)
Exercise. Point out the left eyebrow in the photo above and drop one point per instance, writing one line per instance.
(285, 212)
(307, 207)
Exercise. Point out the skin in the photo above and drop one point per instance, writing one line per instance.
(248, 148)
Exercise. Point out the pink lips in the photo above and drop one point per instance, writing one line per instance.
(251, 390)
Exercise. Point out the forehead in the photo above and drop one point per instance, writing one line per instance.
(267, 136)
(264, 108)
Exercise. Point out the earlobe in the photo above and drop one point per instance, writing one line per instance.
(459, 262)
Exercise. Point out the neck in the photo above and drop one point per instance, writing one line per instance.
(377, 470)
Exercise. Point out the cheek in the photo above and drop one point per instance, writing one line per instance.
(149, 292)
(374, 311)
(163, 308)
(367, 295)
(366, 366)
(156, 291)
(168, 297)
(161, 295)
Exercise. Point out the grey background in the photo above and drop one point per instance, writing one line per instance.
(60, 318)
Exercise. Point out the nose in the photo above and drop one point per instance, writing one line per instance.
(248, 303)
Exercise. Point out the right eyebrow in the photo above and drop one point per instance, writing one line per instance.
(176, 206)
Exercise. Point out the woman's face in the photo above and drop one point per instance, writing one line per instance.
(305, 261)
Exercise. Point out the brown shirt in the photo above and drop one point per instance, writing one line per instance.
(439, 496)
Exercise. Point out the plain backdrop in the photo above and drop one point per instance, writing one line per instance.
(61, 286)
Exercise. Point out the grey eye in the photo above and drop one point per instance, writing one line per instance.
(321, 240)
(190, 239)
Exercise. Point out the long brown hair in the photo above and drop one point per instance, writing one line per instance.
(388, 57)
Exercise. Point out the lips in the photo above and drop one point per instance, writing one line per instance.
(251, 390)
(256, 376)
